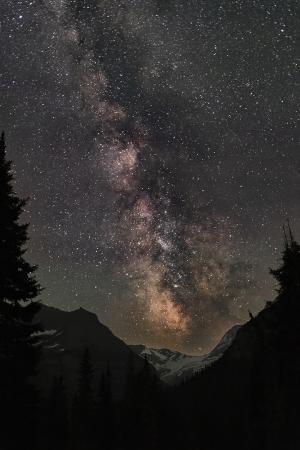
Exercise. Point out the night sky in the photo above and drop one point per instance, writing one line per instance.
(158, 142)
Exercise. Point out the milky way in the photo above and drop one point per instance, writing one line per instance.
(158, 143)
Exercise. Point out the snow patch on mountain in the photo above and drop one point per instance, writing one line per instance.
(174, 367)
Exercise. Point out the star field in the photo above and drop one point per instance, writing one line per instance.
(159, 144)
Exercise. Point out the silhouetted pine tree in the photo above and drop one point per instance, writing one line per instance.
(18, 288)
(148, 409)
(130, 376)
(128, 405)
(57, 425)
(83, 408)
(140, 412)
(105, 412)
(288, 274)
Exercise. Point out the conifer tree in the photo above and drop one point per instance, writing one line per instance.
(130, 376)
(85, 380)
(288, 274)
(148, 408)
(105, 411)
(83, 410)
(57, 414)
(130, 400)
(18, 289)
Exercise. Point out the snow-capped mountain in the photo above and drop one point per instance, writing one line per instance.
(67, 334)
(173, 366)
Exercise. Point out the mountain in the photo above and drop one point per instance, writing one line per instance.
(65, 337)
(173, 366)
(67, 334)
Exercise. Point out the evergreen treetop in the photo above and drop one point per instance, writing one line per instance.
(17, 282)
(288, 274)
(19, 355)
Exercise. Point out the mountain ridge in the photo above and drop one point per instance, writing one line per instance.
(255, 382)
(67, 333)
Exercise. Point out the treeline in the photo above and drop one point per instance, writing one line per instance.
(94, 419)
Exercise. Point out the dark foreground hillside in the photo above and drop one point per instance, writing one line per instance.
(250, 398)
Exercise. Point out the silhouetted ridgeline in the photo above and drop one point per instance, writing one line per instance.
(250, 398)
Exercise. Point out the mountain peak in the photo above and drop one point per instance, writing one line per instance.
(84, 313)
